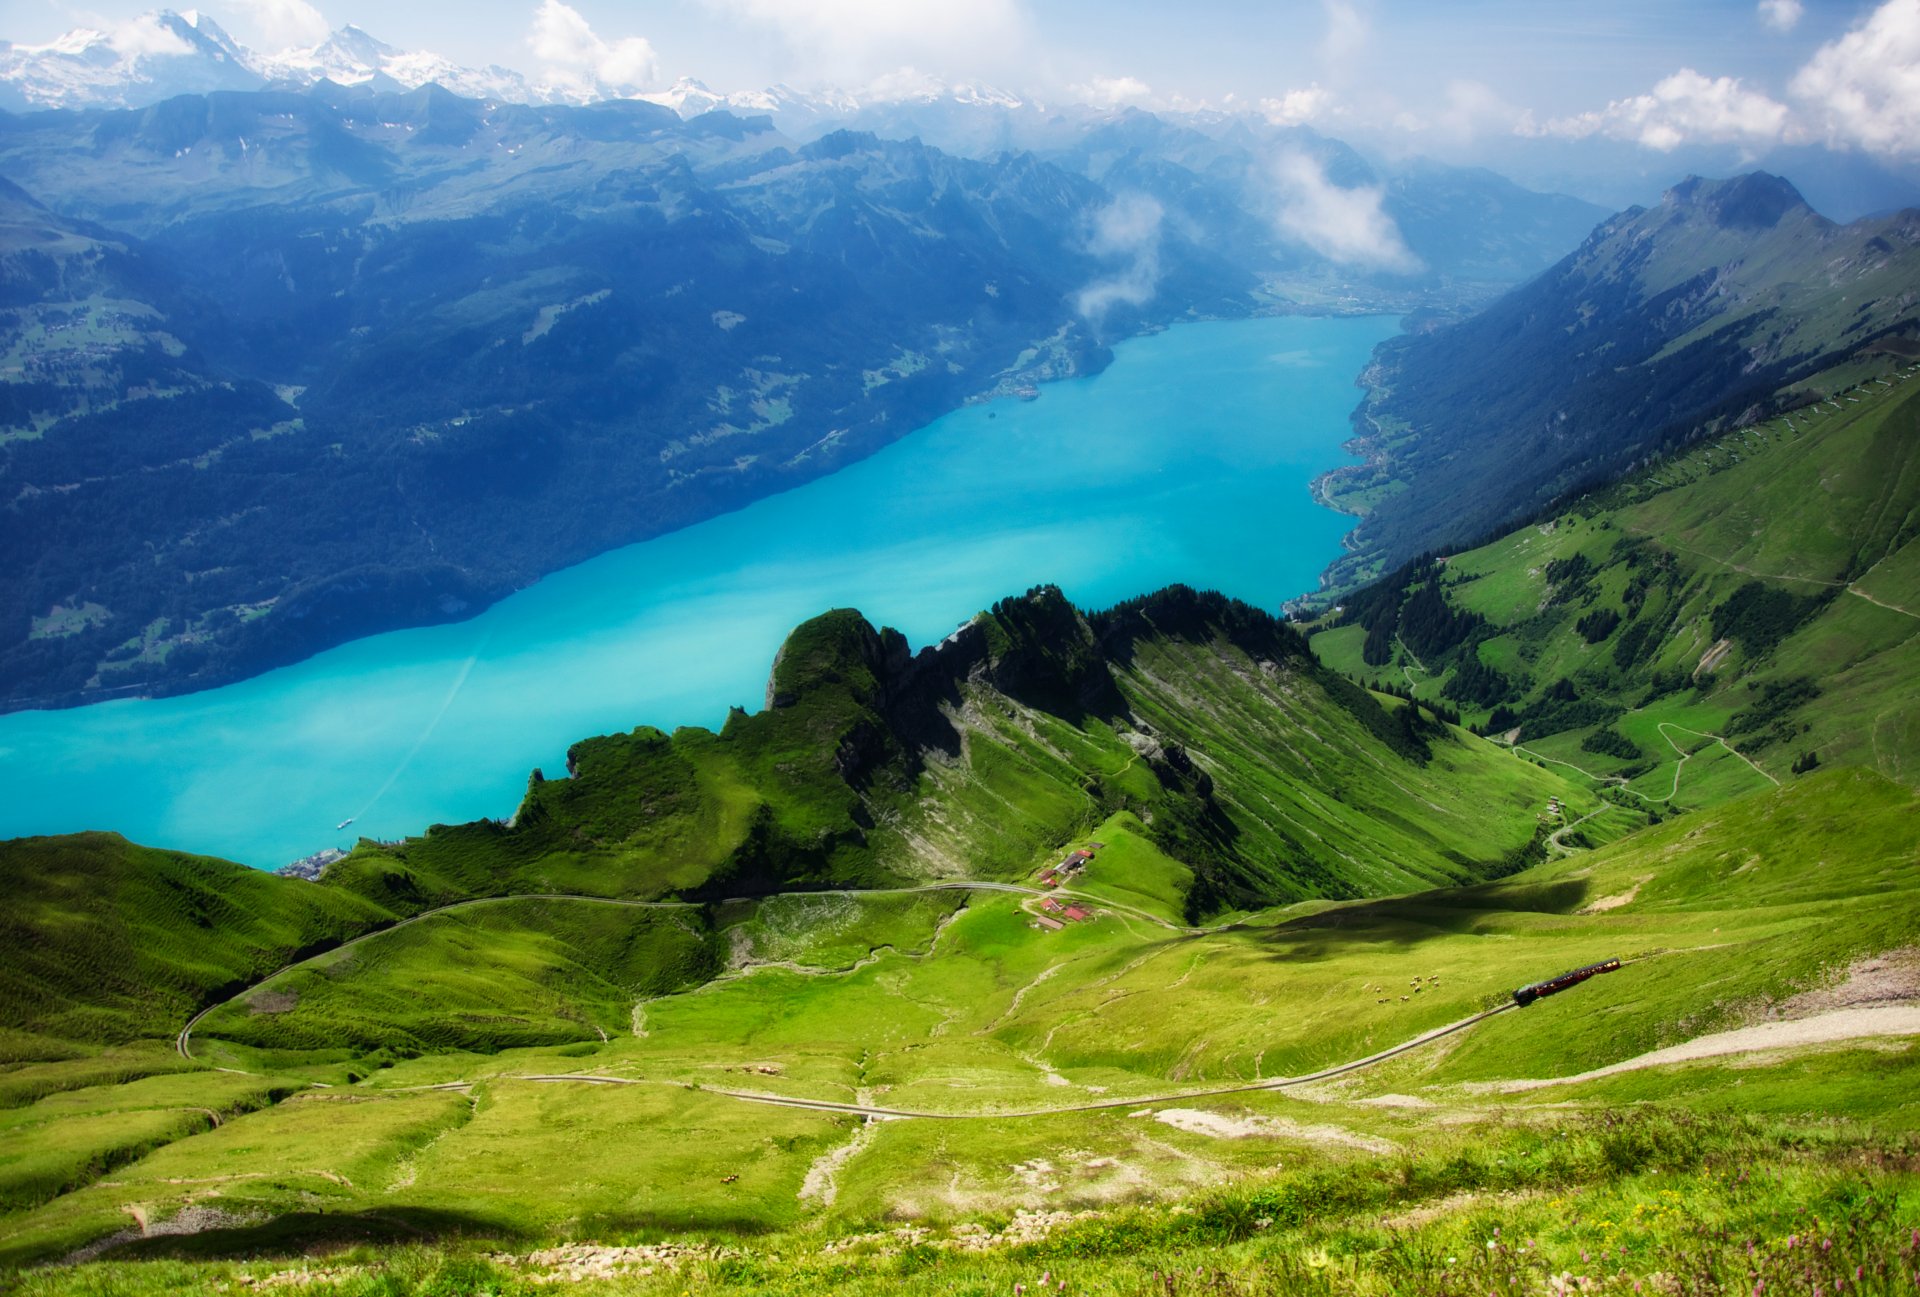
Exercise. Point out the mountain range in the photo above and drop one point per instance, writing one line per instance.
(162, 54)
(1669, 323)
(391, 355)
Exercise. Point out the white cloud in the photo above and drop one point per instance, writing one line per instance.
(1686, 108)
(1112, 92)
(1127, 228)
(850, 41)
(573, 57)
(1347, 226)
(145, 37)
(1864, 88)
(1781, 15)
(1298, 106)
(1471, 109)
(283, 24)
(1346, 35)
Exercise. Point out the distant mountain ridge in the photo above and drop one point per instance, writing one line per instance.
(164, 54)
(1668, 321)
(502, 338)
(467, 324)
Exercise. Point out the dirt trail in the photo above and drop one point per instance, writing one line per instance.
(1803, 580)
(184, 1041)
(1616, 781)
(1821, 1029)
(1877, 996)
(1103, 1105)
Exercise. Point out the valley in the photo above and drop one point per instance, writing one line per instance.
(1187, 459)
(1262, 651)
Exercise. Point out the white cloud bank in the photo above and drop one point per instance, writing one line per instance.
(1686, 108)
(284, 24)
(1347, 226)
(1298, 107)
(1864, 88)
(1112, 92)
(857, 40)
(572, 56)
(144, 37)
(1126, 229)
(1861, 90)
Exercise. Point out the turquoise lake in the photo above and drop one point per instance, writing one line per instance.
(1188, 460)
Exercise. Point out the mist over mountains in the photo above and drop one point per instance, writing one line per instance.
(339, 359)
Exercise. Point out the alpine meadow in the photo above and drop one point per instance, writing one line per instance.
(1247, 807)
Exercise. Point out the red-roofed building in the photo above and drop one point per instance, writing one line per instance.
(1076, 914)
(1050, 905)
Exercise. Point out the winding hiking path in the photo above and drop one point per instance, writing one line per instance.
(1617, 781)
(1850, 587)
(183, 1042)
(1103, 1105)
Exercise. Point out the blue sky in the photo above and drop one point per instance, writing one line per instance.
(1651, 84)
(1552, 55)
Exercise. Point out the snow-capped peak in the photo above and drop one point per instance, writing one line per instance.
(164, 53)
(139, 61)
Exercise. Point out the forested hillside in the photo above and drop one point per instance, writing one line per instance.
(1760, 587)
(1693, 313)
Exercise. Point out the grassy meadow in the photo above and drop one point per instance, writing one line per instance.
(1083, 1089)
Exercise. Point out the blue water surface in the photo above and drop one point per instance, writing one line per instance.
(1188, 460)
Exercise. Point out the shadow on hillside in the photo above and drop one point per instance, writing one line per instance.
(304, 1232)
(316, 1233)
(1404, 921)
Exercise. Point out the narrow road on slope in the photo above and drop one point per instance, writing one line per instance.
(1104, 1105)
(183, 1042)
(1782, 576)
(1616, 781)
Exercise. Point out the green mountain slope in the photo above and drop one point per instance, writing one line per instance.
(1690, 313)
(1271, 777)
(108, 941)
(1763, 586)
(1121, 1034)
(1266, 777)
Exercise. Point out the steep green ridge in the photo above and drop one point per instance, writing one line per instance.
(1762, 586)
(1024, 728)
(1267, 778)
(1691, 313)
(105, 940)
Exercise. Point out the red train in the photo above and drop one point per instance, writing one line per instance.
(1528, 994)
